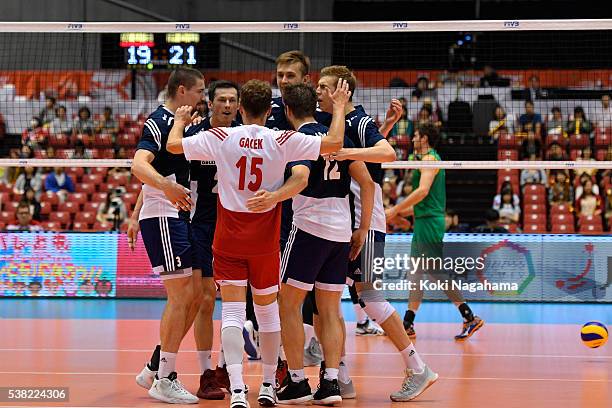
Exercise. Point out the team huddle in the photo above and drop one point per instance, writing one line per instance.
(277, 203)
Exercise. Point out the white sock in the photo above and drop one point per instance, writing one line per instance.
(412, 359)
(343, 374)
(167, 362)
(204, 357)
(297, 375)
(360, 314)
(281, 353)
(235, 376)
(269, 345)
(221, 361)
(309, 333)
(331, 374)
(269, 373)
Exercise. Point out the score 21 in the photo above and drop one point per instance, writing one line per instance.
(179, 55)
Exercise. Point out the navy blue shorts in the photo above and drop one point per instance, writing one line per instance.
(309, 261)
(202, 235)
(168, 246)
(361, 269)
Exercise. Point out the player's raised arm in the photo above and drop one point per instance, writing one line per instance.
(334, 139)
(394, 114)
(182, 118)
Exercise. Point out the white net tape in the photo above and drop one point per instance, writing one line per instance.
(457, 165)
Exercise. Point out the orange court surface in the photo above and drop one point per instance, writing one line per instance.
(538, 360)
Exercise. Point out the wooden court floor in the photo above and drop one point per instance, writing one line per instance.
(503, 365)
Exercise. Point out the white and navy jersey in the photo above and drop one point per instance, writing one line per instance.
(171, 166)
(204, 190)
(278, 120)
(322, 208)
(363, 132)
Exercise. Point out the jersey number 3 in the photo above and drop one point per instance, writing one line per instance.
(255, 171)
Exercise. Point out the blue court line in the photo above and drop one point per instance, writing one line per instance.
(430, 312)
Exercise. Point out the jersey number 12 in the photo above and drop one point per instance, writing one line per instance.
(331, 170)
(255, 171)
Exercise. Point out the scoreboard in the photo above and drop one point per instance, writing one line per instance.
(154, 51)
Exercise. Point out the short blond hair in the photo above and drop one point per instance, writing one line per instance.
(341, 72)
(295, 56)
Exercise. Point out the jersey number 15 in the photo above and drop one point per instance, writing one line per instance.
(255, 171)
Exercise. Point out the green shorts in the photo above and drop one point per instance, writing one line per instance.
(427, 237)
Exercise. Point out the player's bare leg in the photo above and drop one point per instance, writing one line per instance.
(147, 375)
(471, 322)
(331, 325)
(290, 306)
(203, 332)
(418, 377)
(166, 386)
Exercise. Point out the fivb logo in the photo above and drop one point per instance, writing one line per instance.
(182, 27)
(399, 26)
(75, 26)
(512, 24)
(291, 26)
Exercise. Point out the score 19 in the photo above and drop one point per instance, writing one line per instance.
(179, 55)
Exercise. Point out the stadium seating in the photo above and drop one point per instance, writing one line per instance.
(61, 217)
(534, 209)
(507, 154)
(102, 226)
(534, 229)
(603, 137)
(91, 206)
(86, 217)
(563, 229)
(560, 209)
(85, 188)
(51, 226)
(69, 206)
(7, 217)
(558, 138)
(50, 197)
(579, 140)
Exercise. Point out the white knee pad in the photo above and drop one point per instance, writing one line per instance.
(268, 317)
(376, 306)
(233, 314)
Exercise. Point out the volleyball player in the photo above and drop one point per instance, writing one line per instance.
(373, 148)
(428, 202)
(252, 161)
(164, 222)
(317, 252)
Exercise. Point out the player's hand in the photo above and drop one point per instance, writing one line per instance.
(340, 155)
(394, 113)
(177, 195)
(341, 95)
(262, 201)
(197, 120)
(357, 240)
(183, 116)
(132, 232)
(391, 214)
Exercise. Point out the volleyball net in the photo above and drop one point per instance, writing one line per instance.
(522, 108)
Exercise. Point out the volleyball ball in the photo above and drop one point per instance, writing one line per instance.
(594, 334)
